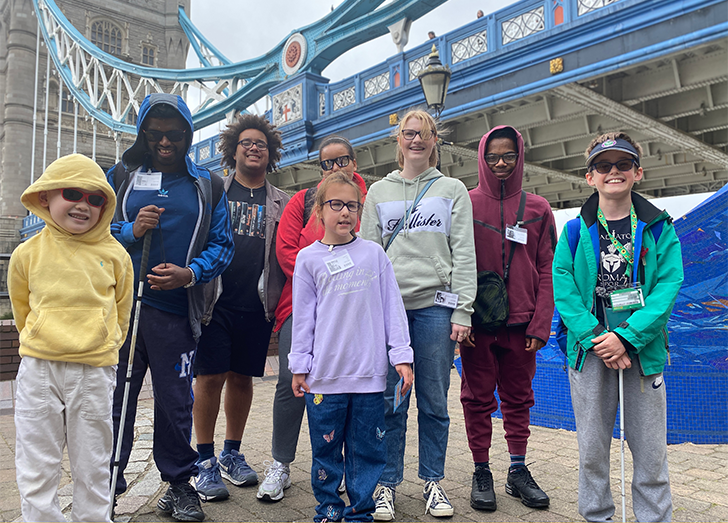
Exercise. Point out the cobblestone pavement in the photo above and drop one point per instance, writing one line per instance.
(699, 474)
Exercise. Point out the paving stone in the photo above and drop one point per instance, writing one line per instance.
(140, 454)
(129, 504)
(135, 467)
(146, 436)
(148, 486)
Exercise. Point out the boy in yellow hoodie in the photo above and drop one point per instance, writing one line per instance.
(71, 292)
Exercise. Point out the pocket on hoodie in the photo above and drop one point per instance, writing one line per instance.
(71, 329)
(415, 273)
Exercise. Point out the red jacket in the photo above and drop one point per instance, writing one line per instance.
(495, 205)
(294, 236)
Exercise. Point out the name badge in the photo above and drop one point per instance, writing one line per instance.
(627, 299)
(516, 234)
(336, 264)
(446, 299)
(148, 181)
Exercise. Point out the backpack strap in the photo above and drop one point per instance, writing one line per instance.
(403, 219)
(308, 200)
(218, 187)
(519, 219)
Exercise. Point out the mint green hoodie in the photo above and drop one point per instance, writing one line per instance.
(435, 249)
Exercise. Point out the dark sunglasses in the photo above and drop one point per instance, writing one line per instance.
(341, 161)
(605, 167)
(174, 135)
(74, 195)
(337, 205)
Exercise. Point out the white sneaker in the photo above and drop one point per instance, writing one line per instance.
(277, 479)
(437, 503)
(383, 503)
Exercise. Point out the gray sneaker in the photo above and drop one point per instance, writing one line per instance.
(277, 479)
(383, 503)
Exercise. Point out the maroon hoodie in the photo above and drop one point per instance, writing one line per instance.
(495, 205)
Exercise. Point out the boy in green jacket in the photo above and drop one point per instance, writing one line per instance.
(616, 293)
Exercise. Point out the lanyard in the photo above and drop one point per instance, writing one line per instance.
(628, 256)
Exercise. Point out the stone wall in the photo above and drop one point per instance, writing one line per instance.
(9, 358)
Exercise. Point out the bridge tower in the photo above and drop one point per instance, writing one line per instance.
(139, 32)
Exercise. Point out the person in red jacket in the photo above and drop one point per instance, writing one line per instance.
(298, 228)
(506, 357)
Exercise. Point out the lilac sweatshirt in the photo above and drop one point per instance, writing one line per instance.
(343, 322)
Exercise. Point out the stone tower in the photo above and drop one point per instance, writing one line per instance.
(143, 32)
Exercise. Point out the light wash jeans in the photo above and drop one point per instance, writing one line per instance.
(356, 422)
(429, 330)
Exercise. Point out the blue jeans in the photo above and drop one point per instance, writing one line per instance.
(356, 422)
(429, 330)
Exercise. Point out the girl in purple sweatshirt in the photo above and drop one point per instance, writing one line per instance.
(349, 325)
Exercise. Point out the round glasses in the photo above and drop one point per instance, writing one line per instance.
(409, 134)
(74, 195)
(248, 144)
(156, 136)
(341, 161)
(508, 158)
(623, 165)
(337, 205)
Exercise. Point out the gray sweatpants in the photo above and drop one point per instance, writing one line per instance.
(287, 408)
(595, 396)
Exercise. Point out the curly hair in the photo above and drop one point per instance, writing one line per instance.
(229, 138)
(612, 136)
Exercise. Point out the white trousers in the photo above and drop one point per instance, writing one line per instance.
(61, 404)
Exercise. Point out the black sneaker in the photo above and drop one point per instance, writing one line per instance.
(521, 484)
(482, 495)
(182, 502)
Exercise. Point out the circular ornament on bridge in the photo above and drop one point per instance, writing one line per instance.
(294, 54)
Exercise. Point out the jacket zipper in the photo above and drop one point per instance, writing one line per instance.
(503, 228)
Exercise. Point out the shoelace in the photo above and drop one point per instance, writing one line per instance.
(273, 471)
(437, 496)
(384, 499)
(188, 496)
(484, 480)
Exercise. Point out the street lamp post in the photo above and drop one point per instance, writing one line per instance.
(434, 80)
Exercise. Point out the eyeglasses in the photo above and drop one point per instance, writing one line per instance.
(341, 161)
(248, 144)
(409, 134)
(337, 205)
(174, 135)
(493, 159)
(74, 195)
(605, 167)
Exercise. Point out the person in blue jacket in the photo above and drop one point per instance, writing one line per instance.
(160, 191)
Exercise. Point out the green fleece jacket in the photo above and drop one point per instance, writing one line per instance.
(436, 248)
(660, 273)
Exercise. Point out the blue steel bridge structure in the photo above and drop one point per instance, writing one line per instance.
(560, 71)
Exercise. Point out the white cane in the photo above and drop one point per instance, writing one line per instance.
(130, 364)
(621, 440)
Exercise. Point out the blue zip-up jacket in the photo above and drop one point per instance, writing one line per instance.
(211, 248)
(659, 271)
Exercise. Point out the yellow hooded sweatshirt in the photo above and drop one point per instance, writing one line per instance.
(71, 293)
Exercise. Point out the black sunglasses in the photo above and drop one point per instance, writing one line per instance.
(605, 167)
(74, 195)
(341, 161)
(174, 135)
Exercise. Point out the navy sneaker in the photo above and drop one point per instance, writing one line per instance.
(236, 470)
(208, 482)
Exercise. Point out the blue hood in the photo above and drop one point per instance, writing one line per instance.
(136, 155)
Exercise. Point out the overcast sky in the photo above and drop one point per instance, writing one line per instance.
(242, 30)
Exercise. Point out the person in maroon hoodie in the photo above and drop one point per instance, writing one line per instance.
(506, 357)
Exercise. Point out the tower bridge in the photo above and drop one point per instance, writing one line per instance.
(561, 71)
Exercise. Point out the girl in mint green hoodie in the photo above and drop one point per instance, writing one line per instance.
(433, 254)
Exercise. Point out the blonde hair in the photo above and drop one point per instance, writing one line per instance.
(428, 122)
(612, 136)
(341, 178)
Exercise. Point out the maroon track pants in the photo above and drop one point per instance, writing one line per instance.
(498, 359)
